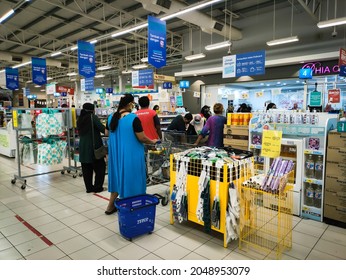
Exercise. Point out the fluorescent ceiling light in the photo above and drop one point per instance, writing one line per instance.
(218, 45)
(42, 90)
(283, 41)
(195, 56)
(126, 72)
(99, 76)
(22, 64)
(7, 15)
(144, 59)
(29, 82)
(117, 34)
(105, 67)
(37, 86)
(55, 54)
(140, 66)
(74, 48)
(1, 71)
(93, 41)
(190, 9)
(332, 22)
(49, 78)
(72, 74)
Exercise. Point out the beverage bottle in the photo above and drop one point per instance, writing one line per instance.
(318, 196)
(309, 167)
(309, 195)
(319, 168)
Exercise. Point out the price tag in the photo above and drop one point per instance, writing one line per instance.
(15, 118)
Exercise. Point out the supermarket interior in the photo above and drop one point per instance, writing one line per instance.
(274, 189)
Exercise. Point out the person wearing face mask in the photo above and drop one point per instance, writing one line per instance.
(126, 161)
(214, 128)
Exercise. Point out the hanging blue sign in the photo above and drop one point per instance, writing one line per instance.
(156, 42)
(305, 73)
(184, 84)
(86, 59)
(250, 64)
(89, 84)
(12, 78)
(146, 77)
(167, 85)
(39, 71)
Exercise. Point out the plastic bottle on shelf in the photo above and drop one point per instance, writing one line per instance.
(309, 167)
(309, 195)
(318, 196)
(319, 168)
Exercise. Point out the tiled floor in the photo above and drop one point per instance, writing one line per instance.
(67, 223)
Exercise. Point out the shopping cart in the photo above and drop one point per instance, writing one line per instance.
(136, 215)
(180, 141)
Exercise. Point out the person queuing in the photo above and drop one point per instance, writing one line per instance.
(179, 123)
(214, 127)
(90, 165)
(149, 119)
(126, 161)
(271, 106)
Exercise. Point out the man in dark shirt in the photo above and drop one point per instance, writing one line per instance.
(179, 123)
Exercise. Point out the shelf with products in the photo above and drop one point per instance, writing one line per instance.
(166, 119)
(304, 142)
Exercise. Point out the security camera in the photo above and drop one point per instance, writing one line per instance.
(334, 34)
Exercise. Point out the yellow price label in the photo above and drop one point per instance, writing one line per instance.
(15, 118)
(271, 143)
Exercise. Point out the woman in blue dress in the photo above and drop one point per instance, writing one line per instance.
(126, 162)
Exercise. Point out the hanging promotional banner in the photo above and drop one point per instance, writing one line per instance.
(39, 71)
(135, 78)
(86, 59)
(89, 84)
(146, 77)
(271, 143)
(315, 99)
(228, 66)
(12, 78)
(334, 95)
(342, 57)
(250, 64)
(156, 42)
(342, 71)
(50, 89)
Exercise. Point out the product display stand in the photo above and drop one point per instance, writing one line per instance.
(230, 173)
(24, 124)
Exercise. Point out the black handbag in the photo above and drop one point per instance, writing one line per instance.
(103, 150)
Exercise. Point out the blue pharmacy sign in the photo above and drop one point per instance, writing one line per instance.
(250, 64)
(156, 42)
(12, 78)
(146, 77)
(39, 71)
(86, 59)
(89, 84)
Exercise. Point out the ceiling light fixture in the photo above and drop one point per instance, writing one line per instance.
(99, 76)
(22, 64)
(195, 56)
(56, 54)
(93, 41)
(218, 45)
(140, 66)
(190, 9)
(283, 41)
(6, 15)
(49, 78)
(144, 59)
(126, 72)
(74, 48)
(104, 67)
(331, 22)
(72, 73)
(117, 34)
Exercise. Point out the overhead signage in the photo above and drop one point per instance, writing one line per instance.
(305, 73)
(50, 89)
(334, 95)
(342, 57)
(250, 64)
(228, 66)
(26, 91)
(145, 77)
(135, 78)
(167, 85)
(12, 78)
(156, 42)
(315, 99)
(179, 100)
(89, 84)
(86, 59)
(184, 84)
(342, 71)
(39, 71)
(164, 78)
(321, 69)
(109, 90)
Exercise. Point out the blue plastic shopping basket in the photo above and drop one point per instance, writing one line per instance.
(136, 215)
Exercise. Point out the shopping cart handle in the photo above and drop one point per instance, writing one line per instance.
(158, 142)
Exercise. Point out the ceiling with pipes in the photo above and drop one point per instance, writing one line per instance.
(39, 28)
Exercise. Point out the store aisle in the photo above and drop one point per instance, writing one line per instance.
(53, 219)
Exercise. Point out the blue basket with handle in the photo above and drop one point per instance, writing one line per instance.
(136, 215)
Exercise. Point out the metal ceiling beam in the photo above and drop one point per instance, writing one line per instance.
(310, 12)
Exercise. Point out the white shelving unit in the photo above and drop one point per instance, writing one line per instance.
(165, 120)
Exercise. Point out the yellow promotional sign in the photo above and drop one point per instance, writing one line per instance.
(271, 143)
(15, 118)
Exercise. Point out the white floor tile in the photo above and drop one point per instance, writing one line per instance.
(130, 252)
(212, 251)
(98, 234)
(50, 253)
(317, 255)
(13, 229)
(91, 252)
(74, 244)
(4, 244)
(113, 243)
(310, 229)
(172, 251)
(298, 251)
(331, 248)
(22, 237)
(31, 247)
(74, 219)
(236, 256)
(335, 237)
(10, 254)
(304, 239)
(193, 256)
(190, 241)
(170, 232)
(86, 226)
(8, 222)
(61, 235)
(151, 257)
(150, 242)
(42, 220)
(51, 227)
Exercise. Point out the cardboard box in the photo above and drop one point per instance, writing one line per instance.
(336, 154)
(235, 142)
(236, 130)
(335, 198)
(337, 213)
(335, 183)
(335, 168)
(336, 139)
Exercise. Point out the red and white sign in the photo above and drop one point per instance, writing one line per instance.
(334, 95)
(342, 57)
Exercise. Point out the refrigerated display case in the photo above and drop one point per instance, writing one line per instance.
(304, 142)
